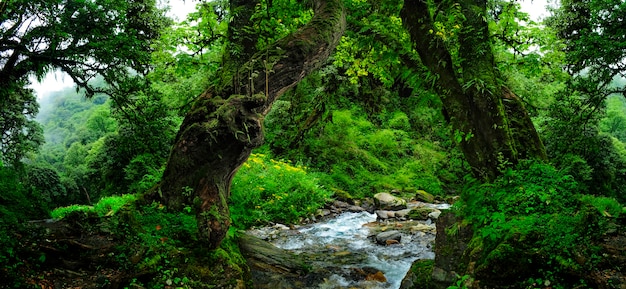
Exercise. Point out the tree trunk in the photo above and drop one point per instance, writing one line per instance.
(225, 123)
(490, 122)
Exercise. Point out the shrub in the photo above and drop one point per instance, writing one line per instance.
(106, 206)
(266, 190)
(534, 221)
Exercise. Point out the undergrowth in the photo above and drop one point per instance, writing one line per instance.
(106, 206)
(534, 223)
(266, 190)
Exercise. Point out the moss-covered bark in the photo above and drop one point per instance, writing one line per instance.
(225, 123)
(490, 121)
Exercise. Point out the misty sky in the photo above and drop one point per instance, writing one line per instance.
(56, 81)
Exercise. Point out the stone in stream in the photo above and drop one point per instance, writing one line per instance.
(388, 237)
(385, 201)
(421, 213)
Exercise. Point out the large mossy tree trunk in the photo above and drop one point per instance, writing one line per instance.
(490, 121)
(225, 123)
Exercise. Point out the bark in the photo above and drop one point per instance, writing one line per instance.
(225, 123)
(493, 125)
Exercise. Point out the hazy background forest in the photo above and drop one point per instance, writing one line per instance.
(369, 120)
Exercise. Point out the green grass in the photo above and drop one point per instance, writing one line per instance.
(106, 206)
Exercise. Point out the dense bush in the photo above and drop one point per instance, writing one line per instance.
(364, 157)
(265, 190)
(536, 217)
(17, 205)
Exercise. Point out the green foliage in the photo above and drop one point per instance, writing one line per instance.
(20, 134)
(83, 38)
(17, 205)
(574, 142)
(537, 216)
(609, 207)
(461, 283)
(104, 147)
(614, 121)
(265, 190)
(165, 244)
(597, 24)
(363, 158)
(105, 207)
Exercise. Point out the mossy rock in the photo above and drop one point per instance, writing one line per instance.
(424, 196)
(420, 213)
(419, 276)
(343, 196)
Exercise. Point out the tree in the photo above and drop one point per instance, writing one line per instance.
(489, 121)
(110, 38)
(593, 33)
(82, 38)
(20, 133)
(225, 122)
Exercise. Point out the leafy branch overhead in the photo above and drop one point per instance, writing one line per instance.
(82, 38)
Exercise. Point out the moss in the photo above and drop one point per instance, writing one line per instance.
(423, 270)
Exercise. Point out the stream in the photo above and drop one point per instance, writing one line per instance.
(345, 246)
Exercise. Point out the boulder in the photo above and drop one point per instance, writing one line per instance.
(421, 213)
(424, 196)
(388, 237)
(383, 215)
(385, 201)
(419, 276)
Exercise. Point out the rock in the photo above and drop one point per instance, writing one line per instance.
(423, 228)
(386, 201)
(323, 212)
(382, 238)
(434, 214)
(280, 227)
(419, 276)
(402, 213)
(367, 274)
(378, 276)
(340, 204)
(343, 196)
(424, 196)
(355, 209)
(383, 215)
(420, 213)
(264, 256)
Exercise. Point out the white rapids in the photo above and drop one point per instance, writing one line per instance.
(344, 243)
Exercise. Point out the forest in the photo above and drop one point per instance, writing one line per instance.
(180, 136)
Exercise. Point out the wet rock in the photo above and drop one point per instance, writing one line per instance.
(378, 277)
(385, 201)
(367, 274)
(385, 238)
(264, 256)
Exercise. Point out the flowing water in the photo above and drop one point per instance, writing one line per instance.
(344, 245)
